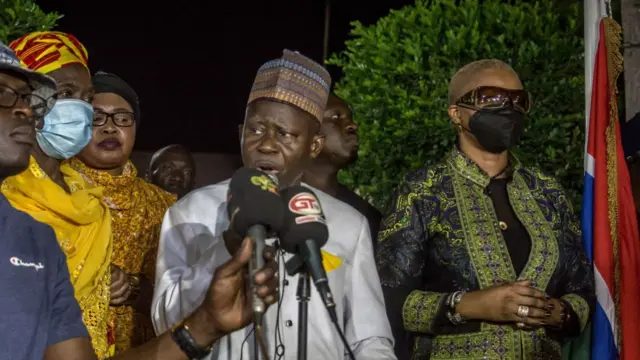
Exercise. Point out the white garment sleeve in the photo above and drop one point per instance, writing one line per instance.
(188, 254)
(367, 328)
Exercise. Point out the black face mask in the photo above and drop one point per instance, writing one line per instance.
(497, 130)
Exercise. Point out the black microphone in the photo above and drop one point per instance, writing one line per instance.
(304, 231)
(255, 208)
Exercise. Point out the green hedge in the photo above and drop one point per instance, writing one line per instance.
(396, 72)
(20, 17)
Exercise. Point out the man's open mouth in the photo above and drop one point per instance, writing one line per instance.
(268, 167)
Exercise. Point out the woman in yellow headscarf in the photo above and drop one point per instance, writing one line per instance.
(137, 207)
(55, 194)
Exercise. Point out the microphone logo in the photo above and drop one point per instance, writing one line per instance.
(307, 205)
(265, 183)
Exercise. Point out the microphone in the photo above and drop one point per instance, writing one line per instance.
(304, 231)
(255, 208)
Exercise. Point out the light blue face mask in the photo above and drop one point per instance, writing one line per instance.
(67, 129)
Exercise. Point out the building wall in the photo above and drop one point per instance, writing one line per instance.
(210, 168)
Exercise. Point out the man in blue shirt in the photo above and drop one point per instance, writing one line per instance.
(39, 316)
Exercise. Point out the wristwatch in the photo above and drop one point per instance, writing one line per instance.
(182, 337)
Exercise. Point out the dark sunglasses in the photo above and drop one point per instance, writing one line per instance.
(493, 97)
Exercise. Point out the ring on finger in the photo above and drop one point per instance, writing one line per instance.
(523, 311)
(520, 325)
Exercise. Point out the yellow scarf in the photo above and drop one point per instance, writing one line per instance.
(82, 224)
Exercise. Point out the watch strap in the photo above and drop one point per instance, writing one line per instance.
(182, 337)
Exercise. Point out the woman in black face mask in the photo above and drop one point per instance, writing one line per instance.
(481, 257)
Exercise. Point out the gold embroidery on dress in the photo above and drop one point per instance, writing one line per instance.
(137, 209)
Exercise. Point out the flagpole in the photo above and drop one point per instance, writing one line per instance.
(594, 10)
(327, 14)
(590, 17)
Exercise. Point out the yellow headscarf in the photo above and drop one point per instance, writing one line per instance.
(81, 221)
(82, 224)
(46, 51)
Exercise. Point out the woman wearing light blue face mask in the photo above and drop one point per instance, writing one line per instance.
(66, 129)
(55, 194)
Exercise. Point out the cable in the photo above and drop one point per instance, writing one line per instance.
(244, 341)
(263, 346)
(334, 319)
(278, 352)
(344, 340)
(279, 349)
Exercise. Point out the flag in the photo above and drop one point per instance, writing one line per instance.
(609, 222)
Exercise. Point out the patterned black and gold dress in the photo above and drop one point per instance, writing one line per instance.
(451, 228)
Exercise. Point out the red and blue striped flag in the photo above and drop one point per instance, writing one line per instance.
(608, 216)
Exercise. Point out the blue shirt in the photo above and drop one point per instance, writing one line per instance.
(37, 305)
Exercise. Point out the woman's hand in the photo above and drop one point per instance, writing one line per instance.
(120, 287)
(502, 303)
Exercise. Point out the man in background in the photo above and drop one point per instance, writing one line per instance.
(340, 150)
(173, 169)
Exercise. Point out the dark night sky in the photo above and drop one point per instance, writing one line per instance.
(193, 66)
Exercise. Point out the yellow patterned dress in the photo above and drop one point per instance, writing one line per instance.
(82, 225)
(137, 208)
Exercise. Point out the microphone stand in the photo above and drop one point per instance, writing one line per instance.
(256, 343)
(257, 234)
(295, 265)
(303, 294)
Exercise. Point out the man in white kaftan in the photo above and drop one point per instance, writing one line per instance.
(280, 137)
(191, 247)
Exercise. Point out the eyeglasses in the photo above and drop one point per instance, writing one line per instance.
(39, 106)
(496, 97)
(120, 118)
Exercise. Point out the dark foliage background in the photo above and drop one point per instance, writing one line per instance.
(396, 73)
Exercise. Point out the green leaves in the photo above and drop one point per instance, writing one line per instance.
(396, 75)
(20, 17)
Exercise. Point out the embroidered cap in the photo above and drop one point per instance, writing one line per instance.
(294, 79)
